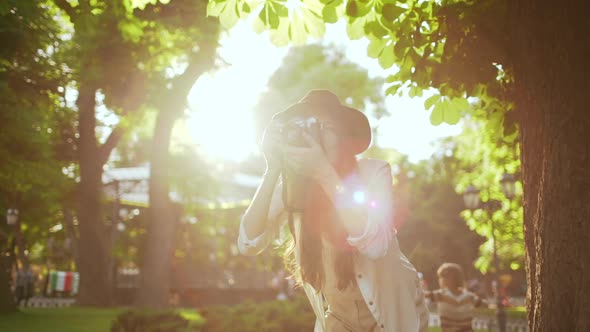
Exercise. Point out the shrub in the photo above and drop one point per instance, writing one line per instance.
(273, 316)
(152, 321)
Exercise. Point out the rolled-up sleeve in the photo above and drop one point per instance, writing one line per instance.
(374, 242)
(275, 220)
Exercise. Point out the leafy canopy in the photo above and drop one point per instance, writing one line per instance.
(423, 44)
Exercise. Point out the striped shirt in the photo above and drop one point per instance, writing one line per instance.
(455, 310)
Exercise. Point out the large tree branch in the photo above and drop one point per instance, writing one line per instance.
(135, 98)
(199, 62)
(67, 8)
(111, 142)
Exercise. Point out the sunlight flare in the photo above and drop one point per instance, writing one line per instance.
(221, 123)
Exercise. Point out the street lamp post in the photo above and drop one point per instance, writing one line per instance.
(12, 217)
(473, 202)
(11, 221)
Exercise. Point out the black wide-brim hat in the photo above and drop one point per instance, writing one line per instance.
(355, 124)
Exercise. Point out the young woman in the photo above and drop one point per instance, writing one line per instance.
(345, 252)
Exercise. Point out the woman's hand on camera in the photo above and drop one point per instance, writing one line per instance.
(310, 161)
(271, 147)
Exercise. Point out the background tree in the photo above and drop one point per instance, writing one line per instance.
(430, 231)
(106, 70)
(195, 44)
(36, 143)
(125, 57)
(526, 60)
(483, 157)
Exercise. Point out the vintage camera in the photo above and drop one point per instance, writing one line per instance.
(292, 131)
(295, 185)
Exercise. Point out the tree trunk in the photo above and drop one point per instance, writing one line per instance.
(550, 52)
(93, 255)
(155, 265)
(7, 303)
(158, 249)
(71, 235)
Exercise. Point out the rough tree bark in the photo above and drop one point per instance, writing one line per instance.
(158, 246)
(550, 52)
(158, 249)
(94, 277)
(94, 250)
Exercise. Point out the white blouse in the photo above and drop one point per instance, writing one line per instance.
(388, 282)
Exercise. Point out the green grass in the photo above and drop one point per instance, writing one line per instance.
(79, 319)
(511, 312)
(74, 319)
(60, 319)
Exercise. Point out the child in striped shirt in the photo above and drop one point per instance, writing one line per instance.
(455, 304)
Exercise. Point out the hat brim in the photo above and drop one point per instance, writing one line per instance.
(357, 126)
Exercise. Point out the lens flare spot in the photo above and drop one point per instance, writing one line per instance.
(359, 197)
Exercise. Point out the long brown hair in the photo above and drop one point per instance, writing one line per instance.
(318, 221)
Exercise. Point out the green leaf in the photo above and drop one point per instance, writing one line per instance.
(269, 17)
(246, 8)
(460, 104)
(376, 29)
(392, 89)
(386, 58)
(355, 29)
(415, 91)
(352, 9)
(329, 14)
(214, 8)
(452, 114)
(280, 36)
(314, 24)
(280, 9)
(391, 12)
(431, 101)
(298, 34)
(258, 26)
(228, 18)
(375, 47)
(400, 47)
(444, 111)
(391, 78)
(436, 117)
(273, 19)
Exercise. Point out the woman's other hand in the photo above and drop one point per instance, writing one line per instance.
(310, 161)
